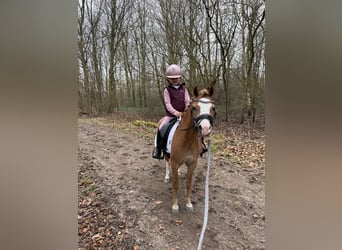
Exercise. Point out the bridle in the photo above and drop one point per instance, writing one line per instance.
(195, 122)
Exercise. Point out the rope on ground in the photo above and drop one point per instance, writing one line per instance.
(206, 202)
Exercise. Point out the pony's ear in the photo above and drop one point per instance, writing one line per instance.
(211, 91)
(195, 91)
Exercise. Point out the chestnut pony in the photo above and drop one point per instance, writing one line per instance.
(196, 122)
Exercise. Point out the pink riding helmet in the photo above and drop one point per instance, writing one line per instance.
(173, 71)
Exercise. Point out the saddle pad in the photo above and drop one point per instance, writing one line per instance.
(170, 137)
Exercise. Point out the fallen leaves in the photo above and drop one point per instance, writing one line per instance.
(248, 153)
(99, 226)
(161, 227)
(86, 202)
(96, 237)
(178, 222)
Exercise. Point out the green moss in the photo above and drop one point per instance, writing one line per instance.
(145, 124)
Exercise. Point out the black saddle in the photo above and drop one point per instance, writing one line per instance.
(165, 131)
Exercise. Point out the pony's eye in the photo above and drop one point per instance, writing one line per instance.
(193, 108)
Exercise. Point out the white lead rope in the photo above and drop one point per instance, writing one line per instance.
(206, 202)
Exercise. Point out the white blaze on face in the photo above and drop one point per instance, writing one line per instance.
(205, 109)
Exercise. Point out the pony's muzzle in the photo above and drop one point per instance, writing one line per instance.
(205, 127)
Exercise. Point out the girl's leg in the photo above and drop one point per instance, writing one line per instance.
(163, 121)
(157, 151)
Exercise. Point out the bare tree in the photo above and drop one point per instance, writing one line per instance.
(251, 22)
(84, 83)
(94, 14)
(117, 15)
(224, 34)
(128, 68)
(170, 24)
(125, 47)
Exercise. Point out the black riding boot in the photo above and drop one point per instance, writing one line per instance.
(157, 151)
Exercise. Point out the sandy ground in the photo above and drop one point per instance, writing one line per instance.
(125, 204)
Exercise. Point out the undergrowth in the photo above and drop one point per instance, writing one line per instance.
(231, 143)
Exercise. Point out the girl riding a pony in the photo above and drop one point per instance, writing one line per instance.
(176, 98)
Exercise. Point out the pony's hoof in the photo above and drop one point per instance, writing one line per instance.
(189, 208)
(175, 210)
(166, 180)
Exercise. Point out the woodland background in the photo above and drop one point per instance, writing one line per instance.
(124, 50)
(125, 47)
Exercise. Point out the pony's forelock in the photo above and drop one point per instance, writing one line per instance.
(203, 93)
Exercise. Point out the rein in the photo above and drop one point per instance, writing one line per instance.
(192, 124)
(206, 202)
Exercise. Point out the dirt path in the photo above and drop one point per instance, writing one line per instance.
(125, 204)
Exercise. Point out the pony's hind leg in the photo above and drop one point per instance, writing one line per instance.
(167, 171)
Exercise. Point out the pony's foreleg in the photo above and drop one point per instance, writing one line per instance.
(174, 168)
(191, 169)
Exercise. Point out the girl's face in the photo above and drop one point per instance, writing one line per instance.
(174, 81)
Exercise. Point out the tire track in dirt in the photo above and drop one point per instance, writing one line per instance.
(133, 182)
